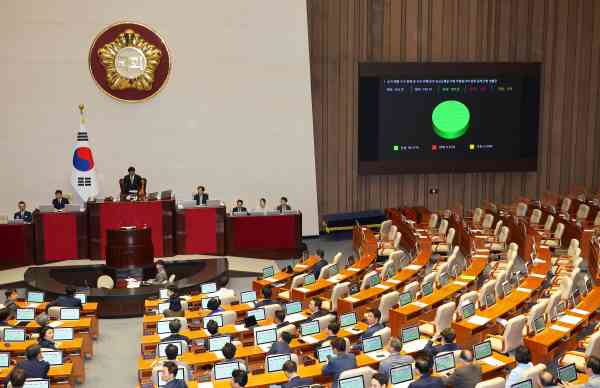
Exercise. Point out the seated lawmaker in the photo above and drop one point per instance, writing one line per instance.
(280, 319)
(200, 197)
(447, 345)
(11, 301)
(175, 327)
(283, 205)
(283, 345)
(132, 182)
(23, 213)
(239, 208)
(171, 353)
(59, 202)
(161, 273)
(46, 338)
(290, 368)
(214, 305)
(175, 307)
(267, 293)
(340, 362)
(17, 378)
(4, 316)
(68, 300)
(262, 206)
(169, 374)
(372, 318)
(316, 311)
(34, 366)
(320, 264)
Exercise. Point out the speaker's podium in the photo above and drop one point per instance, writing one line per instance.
(129, 252)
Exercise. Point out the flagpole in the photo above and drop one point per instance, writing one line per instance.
(81, 108)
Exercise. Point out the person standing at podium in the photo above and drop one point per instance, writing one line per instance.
(200, 197)
(59, 202)
(132, 182)
(23, 213)
(283, 205)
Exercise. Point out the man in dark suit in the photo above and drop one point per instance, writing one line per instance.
(169, 373)
(11, 301)
(291, 371)
(239, 208)
(17, 378)
(283, 345)
(447, 345)
(372, 318)
(467, 374)
(283, 205)
(132, 182)
(23, 213)
(315, 307)
(175, 327)
(35, 367)
(423, 365)
(200, 197)
(59, 202)
(280, 319)
(239, 378)
(68, 300)
(341, 362)
(320, 264)
(267, 293)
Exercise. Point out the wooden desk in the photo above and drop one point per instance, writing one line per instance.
(16, 245)
(88, 310)
(284, 277)
(59, 375)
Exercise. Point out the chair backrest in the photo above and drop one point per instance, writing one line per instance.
(450, 236)
(593, 347)
(500, 278)
(565, 205)
(366, 372)
(433, 220)
(430, 277)
(337, 257)
(227, 296)
(325, 320)
(413, 288)
(386, 303)
(533, 373)
(105, 281)
(397, 240)
(384, 229)
(497, 382)
(536, 216)
(497, 228)
(597, 219)
(513, 333)
(511, 254)
(172, 278)
(552, 303)
(291, 328)
(393, 231)
(229, 317)
(488, 287)
(548, 223)
(387, 266)
(443, 227)
(367, 279)
(477, 214)
(536, 311)
(297, 281)
(324, 274)
(442, 269)
(582, 212)
(573, 245)
(340, 290)
(270, 310)
(503, 234)
(466, 298)
(521, 209)
(385, 334)
(488, 220)
(558, 232)
(443, 316)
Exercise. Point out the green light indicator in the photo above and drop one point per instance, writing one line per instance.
(450, 119)
(396, 148)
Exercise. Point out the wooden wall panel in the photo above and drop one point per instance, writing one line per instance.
(563, 35)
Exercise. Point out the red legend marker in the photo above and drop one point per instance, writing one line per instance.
(434, 147)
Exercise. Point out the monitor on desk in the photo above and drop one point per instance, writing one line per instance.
(567, 373)
(69, 314)
(490, 300)
(309, 328)
(268, 272)
(333, 270)
(405, 298)
(506, 288)
(162, 327)
(468, 310)
(482, 350)
(275, 362)
(258, 313)
(162, 307)
(372, 344)
(204, 303)
(35, 297)
(293, 308)
(36, 383)
(4, 360)
(217, 318)
(163, 293)
(247, 296)
(374, 280)
(208, 288)
(523, 384)
(53, 357)
(27, 314)
(163, 346)
(215, 344)
(352, 382)
(410, 334)
(224, 370)
(324, 352)
(348, 319)
(443, 362)
(63, 333)
(401, 374)
(427, 289)
(262, 337)
(82, 297)
(309, 279)
(443, 279)
(539, 324)
(14, 335)
(576, 297)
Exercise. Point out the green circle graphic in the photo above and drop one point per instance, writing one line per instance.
(450, 119)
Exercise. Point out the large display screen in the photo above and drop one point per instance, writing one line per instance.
(448, 117)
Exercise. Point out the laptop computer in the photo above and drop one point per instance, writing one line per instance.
(264, 338)
(163, 293)
(35, 297)
(443, 279)
(374, 280)
(323, 352)
(309, 279)
(25, 315)
(36, 383)
(4, 360)
(224, 370)
(162, 328)
(352, 382)
(69, 314)
(523, 384)
(483, 352)
(82, 297)
(411, 339)
(208, 288)
(490, 300)
(63, 333)
(53, 357)
(275, 362)
(308, 329)
(506, 288)
(162, 307)
(443, 362)
(468, 310)
(539, 324)
(14, 335)
(567, 373)
(258, 313)
(405, 298)
(373, 347)
(268, 272)
(427, 289)
(293, 312)
(248, 297)
(215, 345)
(347, 321)
(401, 376)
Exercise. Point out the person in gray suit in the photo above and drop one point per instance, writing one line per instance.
(161, 273)
(341, 361)
(467, 374)
(394, 359)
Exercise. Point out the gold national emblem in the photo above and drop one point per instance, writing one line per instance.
(130, 61)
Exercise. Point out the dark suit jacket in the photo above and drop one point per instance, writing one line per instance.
(318, 314)
(283, 324)
(297, 382)
(433, 350)
(176, 337)
(280, 347)
(286, 207)
(262, 303)
(317, 268)
(239, 210)
(201, 202)
(47, 344)
(60, 205)
(128, 185)
(371, 330)
(465, 377)
(34, 369)
(337, 365)
(176, 384)
(426, 381)
(26, 217)
(66, 301)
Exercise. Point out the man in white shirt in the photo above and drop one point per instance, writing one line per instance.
(523, 357)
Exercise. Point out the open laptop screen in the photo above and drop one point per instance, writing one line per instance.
(347, 319)
(482, 350)
(275, 362)
(401, 374)
(443, 362)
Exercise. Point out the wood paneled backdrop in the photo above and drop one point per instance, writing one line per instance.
(562, 34)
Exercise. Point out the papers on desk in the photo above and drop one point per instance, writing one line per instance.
(580, 312)
(301, 266)
(336, 278)
(478, 320)
(459, 283)
(55, 324)
(382, 286)
(539, 261)
(394, 281)
(419, 304)
(468, 277)
(571, 320)
(302, 289)
(351, 299)
(538, 275)
(523, 289)
(310, 339)
(414, 346)
(414, 267)
(205, 385)
(240, 328)
(353, 269)
(562, 329)
(492, 361)
(270, 280)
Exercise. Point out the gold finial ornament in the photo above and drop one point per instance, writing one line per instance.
(130, 61)
(81, 109)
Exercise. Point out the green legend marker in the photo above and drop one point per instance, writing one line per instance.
(450, 119)
(396, 148)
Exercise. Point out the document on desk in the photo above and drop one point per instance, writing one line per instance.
(240, 328)
(301, 266)
(353, 269)
(205, 385)
(493, 361)
(539, 261)
(270, 280)
(310, 339)
(560, 328)
(571, 320)
(302, 289)
(420, 304)
(394, 281)
(382, 286)
(414, 267)
(468, 277)
(55, 324)
(478, 320)
(580, 312)
(538, 275)
(523, 289)
(459, 283)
